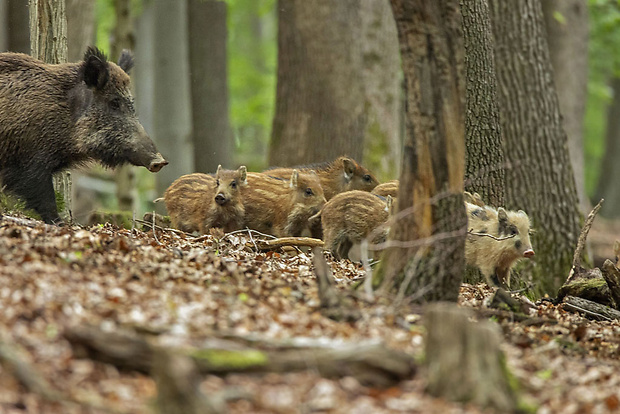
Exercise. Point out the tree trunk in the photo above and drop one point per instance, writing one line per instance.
(608, 188)
(18, 26)
(124, 38)
(4, 33)
(80, 27)
(567, 27)
(382, 84)
(539, 177)
(319, 111)
(484, 158)
(465, 362)
(171, 115)
(48, 42)
(430, 199)
(209, 91)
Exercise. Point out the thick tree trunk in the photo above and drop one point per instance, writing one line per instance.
(484, 158)
(80, 27)
(567, 27)
(171, 115)
(382, 84)
(608, 188)
(48, 42)
(320, 94)
(124, 38)
(430, 200)
(17, 26)
(209, 85)
(539, 176)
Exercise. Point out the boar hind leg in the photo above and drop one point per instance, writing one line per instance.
(37, 191)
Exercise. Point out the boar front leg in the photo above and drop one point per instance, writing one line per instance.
(37, 190)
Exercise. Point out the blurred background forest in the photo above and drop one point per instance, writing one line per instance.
(216, 82)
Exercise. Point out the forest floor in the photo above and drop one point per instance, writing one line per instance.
(183, 291)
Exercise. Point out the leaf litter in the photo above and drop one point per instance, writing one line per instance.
(185, 291)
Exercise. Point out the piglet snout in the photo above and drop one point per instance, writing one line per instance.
(220, 199)
(528, 253)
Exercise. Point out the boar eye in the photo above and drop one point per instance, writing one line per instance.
(513, 231)
(217, 183)
(233, 184)
(309, 191)
(115, 104)
(367, 178)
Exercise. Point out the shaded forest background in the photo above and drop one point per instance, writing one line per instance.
(237, 44)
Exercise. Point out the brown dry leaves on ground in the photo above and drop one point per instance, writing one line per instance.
(182, 291)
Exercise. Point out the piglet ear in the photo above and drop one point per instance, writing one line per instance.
(96, 70)
(349, 168)
(218, 172)
(502, 215)
(243, 174)
(294, 177)
(125, 61)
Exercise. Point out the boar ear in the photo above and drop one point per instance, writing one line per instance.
(294, 177)
(125, 61)
(218, 171)
(349, 168)
(243, 174)
(501, 214)
(96, 71)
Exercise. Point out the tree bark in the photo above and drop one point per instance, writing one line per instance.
(539, 176)
(319, 112)
(464, 360)
(606, 187)
(4, 34)
(124, 38)
(18, 26)
(382, 85)
(567, 27)
(171, 114)
(430, 199)
(484, 158)
(48, 42)
(80, 27)
(209, 84)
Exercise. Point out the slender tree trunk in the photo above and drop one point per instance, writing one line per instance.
(608, 188)
(124, 38)
(171, 115)
(209, 84)
(80, 27)
(567, 27)
(48, 42)
(18, 26)
(4, 34)
(320, 94)
(484, 158)
(430, 198)
(382, 84)
(539, 176)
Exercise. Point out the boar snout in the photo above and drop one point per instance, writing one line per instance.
(528, 253)
(220, 199)
(157, 163)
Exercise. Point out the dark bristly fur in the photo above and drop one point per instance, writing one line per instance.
(53, 117)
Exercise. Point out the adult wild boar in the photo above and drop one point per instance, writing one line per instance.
(53, 117)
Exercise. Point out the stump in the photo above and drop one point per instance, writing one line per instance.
(464, 361)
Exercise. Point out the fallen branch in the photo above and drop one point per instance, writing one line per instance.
(373, 365)
(288, 242)
(590, 309)
(581, 242)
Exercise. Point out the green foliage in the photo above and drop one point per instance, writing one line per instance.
(11, 204)
(252, 52)
(604, 64)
